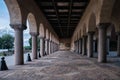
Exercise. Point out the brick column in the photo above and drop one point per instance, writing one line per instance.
(47, 46)
(42, 46)
(93, 45)
(34, 44)
(52, 46)
(108, 44)
(118, 44)
(102, 42)
(80, 46)
(90, 44)
(84, 46)
(19, 59)
(75, 46)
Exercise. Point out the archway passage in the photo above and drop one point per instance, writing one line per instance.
(76, 24)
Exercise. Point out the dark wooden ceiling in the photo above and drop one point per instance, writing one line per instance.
(63, 15)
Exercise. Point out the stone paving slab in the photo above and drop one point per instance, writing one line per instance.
(62, 65)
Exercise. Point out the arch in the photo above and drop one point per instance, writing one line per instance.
(14, 11)
(91, 23)
(106, 11)
(32, 23)
(116, 15)
(41, 30)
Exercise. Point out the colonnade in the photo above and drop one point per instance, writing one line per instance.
(46, 45)
(85, 44)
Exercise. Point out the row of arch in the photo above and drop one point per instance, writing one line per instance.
(99, 13)
(20, 12)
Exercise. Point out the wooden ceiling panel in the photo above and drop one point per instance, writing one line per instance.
(63, 15)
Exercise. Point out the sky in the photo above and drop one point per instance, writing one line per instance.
(5, 21)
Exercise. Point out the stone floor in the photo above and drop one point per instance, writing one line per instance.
(63, 65)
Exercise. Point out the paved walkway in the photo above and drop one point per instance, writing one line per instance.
(10, 60)
(63, 65)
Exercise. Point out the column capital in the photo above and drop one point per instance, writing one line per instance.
(34, 33)
(103, 25)
(18, 26)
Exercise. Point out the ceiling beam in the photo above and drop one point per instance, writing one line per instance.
(56, 10)
(70, 11)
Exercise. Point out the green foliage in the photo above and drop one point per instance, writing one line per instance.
(30, 42)
(6, 41)
(38, 42)
(1, 43)
(27, 47)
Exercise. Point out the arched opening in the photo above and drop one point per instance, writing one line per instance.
(6, 33)
(111, 41)
(33, 40)
(92, 28)
(32, 23)
(31, 28)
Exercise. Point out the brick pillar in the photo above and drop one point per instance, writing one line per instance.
(76, 46)
(52, 47)
(118, 44)
(42, 46)
(108, 44)
(102, 42)
(80, 46)
(94, 46)
(90, 44)
(34, 44)
(47, 46)
(84, 46)
(19, 57)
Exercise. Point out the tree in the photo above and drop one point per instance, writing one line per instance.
(1, 43)
(38, 42)
(7, 41)
(30, 42)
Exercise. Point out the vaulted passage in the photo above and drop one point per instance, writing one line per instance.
(63, 65)
(90, 29)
